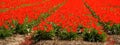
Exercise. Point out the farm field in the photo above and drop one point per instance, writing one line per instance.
(59, 22)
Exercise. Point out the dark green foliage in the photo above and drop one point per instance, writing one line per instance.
(43, 35)
(79, 29)
(56, 28)
(5, 33)
(113, 29)
(21, 28)
(93, 36)
(64, 35)
(44, 15)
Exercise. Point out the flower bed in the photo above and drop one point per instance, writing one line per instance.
(92, 20)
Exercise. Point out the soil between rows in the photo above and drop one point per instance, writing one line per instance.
(17, 39)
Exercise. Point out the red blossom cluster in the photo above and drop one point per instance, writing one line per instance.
(69, 16)
(20, 9)
(108, 11)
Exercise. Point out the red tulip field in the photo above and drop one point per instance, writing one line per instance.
(59, 22)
